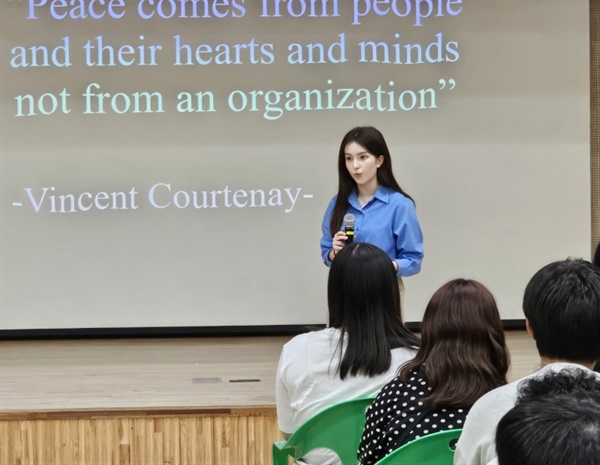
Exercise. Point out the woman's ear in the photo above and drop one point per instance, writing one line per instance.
(528, 328)
(379, 160)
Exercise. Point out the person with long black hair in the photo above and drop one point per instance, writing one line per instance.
(357, 354)
(385, 214)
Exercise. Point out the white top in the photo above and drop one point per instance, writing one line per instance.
(477, 442)
(307, 379)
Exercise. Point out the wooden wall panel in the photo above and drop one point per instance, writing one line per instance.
(236, 439)
(171, 441)
(595, 118)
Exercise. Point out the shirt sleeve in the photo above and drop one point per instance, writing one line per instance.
(327, 237)
(285, 414)
(409, 239)
(476, 452)
(477, 442)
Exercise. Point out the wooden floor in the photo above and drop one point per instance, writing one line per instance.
(47, 376)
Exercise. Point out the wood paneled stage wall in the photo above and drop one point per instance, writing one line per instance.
(225, 437)
(167, 401)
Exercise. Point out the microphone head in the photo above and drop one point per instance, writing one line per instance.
(349, 220)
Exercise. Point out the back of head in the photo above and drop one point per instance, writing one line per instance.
(572, 381)
(463, 353)
(364, 303)
(555, 422)
(562, 305)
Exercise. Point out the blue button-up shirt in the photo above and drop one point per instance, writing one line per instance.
(389, 221)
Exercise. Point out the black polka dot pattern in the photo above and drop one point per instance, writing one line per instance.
(398, 409)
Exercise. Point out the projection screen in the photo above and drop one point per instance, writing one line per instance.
(167, 163)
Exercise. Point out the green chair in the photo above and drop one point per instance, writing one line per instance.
(338, 428)
(432, 449)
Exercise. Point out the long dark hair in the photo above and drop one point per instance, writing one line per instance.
(364, 303)
(463, 353)
(372, 140)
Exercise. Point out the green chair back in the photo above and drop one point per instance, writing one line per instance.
(338, 428)
(432, 449)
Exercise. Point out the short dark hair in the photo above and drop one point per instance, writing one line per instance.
(553, 430)
(555, 422)
(364, 303)
(562, 305)
(571, 380)
(463, 352)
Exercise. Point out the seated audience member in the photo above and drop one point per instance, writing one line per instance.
(562, 310)
(357, 354)
(596, 261)
(462, 356)
(573, 380)
(555, 422)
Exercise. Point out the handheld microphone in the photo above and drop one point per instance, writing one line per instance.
(349, 222)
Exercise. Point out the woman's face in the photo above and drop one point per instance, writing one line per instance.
(362, 165)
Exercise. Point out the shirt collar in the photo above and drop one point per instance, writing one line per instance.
(382, 193)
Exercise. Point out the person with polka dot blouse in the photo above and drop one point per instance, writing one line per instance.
(462, 356)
